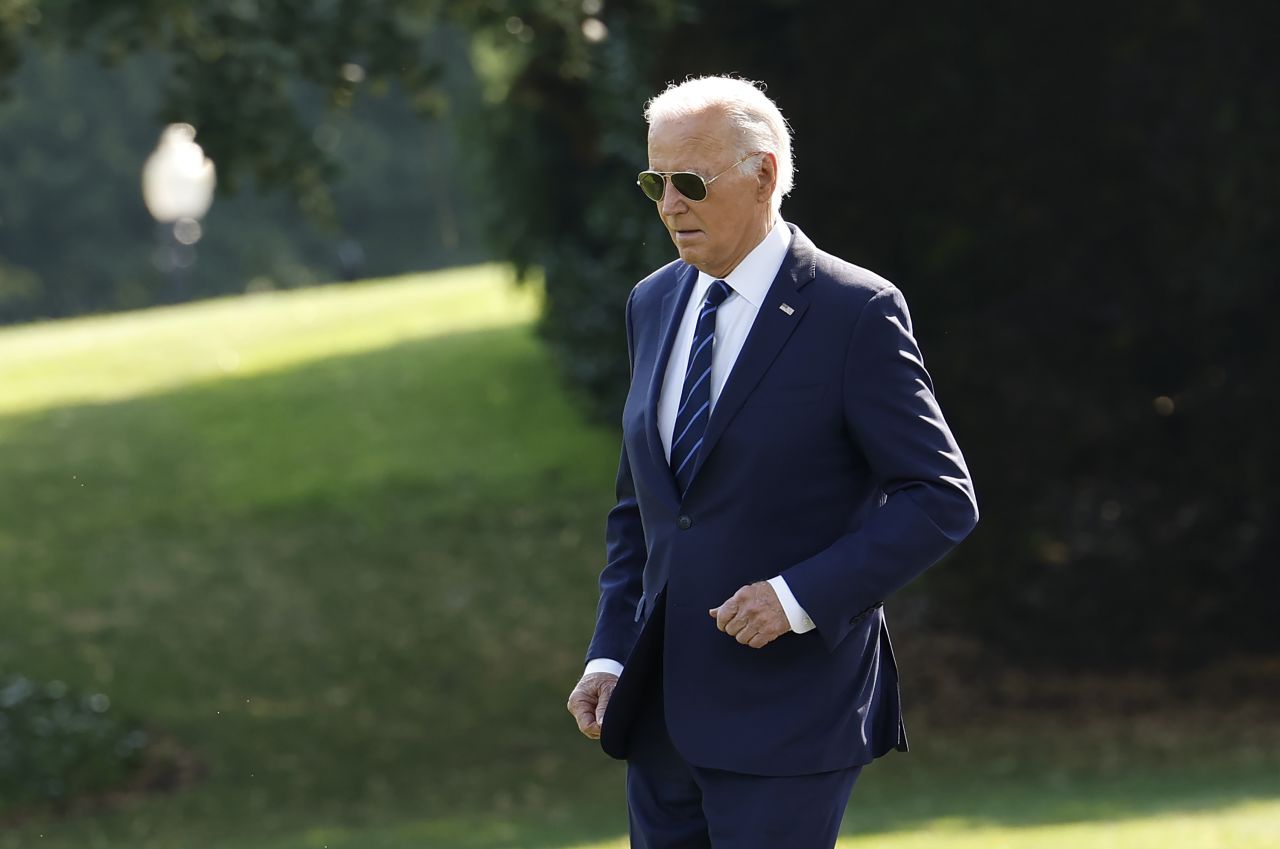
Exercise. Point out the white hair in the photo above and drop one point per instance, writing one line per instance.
(757, 119)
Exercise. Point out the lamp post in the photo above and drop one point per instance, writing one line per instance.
(177, 187)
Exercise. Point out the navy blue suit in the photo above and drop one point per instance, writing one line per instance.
(826, 460)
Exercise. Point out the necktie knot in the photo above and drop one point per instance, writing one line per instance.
(717, 292)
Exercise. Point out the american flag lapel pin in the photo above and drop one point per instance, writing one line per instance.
(787, 308)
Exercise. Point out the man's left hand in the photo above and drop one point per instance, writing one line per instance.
(753, 616)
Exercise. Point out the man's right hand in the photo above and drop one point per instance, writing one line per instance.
(589, 700)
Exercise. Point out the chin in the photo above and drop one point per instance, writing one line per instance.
(692, 257)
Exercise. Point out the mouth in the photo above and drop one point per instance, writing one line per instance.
(685, 235)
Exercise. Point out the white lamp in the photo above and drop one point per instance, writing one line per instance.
(178, 182)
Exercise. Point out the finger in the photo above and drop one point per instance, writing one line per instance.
(746, 635)
(743, 617)
(726, 612)
(587, 724)
(583, 708)
(586, 719)
(759, 641)
(603, 704)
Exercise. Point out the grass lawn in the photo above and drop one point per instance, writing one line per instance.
(341, 544)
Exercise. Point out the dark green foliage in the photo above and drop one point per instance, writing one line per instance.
(567, 204)
(234, 69)
(1079, 205)
(75, 236)
(56, 745)
(1080, 209)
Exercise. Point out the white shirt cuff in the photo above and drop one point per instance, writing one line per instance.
(602, 664)
(800, 621)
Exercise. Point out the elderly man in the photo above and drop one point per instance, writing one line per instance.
(785, 469)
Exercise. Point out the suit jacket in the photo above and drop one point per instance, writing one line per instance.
(826, 460)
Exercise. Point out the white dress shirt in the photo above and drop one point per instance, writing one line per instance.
(749, 283)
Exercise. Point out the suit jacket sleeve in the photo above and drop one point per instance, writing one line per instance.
(929, 503)
(621, 579)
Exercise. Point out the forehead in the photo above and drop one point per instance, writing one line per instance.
(694, 141)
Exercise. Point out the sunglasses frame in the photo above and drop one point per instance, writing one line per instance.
(666, 176)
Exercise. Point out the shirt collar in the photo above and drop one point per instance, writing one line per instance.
(754, 275)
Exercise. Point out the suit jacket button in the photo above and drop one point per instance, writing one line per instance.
(684, 523)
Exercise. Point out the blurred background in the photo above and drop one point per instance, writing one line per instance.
(305, 452)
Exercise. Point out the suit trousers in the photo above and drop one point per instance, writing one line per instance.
(676, 805)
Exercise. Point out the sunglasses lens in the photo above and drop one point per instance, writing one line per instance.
(651, 183)
(689, 185)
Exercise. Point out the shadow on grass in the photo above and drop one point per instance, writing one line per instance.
(906, 797)
(361, 587)
(344, 583)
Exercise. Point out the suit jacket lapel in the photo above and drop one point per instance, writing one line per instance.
(673, 306)
(772, 327)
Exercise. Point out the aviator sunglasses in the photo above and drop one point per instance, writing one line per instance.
(687, 183)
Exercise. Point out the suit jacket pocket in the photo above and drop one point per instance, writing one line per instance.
(785, 396)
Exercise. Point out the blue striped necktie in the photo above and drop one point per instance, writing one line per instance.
(695, 398)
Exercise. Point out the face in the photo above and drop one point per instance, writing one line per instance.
(715, 234)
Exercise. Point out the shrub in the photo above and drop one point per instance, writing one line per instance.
(57, 745)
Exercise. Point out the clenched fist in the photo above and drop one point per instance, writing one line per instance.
(753, 616)
(589, 700)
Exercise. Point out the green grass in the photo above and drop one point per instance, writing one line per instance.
(341, 543)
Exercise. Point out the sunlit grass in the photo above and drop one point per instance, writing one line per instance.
(338, 574)
(341, 544)
(1250, 825)
(119, 356)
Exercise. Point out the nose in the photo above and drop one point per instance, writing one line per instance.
(672, 201)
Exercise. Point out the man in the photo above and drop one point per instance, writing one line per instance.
(785, 468)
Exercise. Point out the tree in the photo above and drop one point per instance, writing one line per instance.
(75, 238)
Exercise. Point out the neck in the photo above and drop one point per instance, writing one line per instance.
(762, 229)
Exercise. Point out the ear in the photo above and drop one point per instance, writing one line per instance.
(767, 177)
